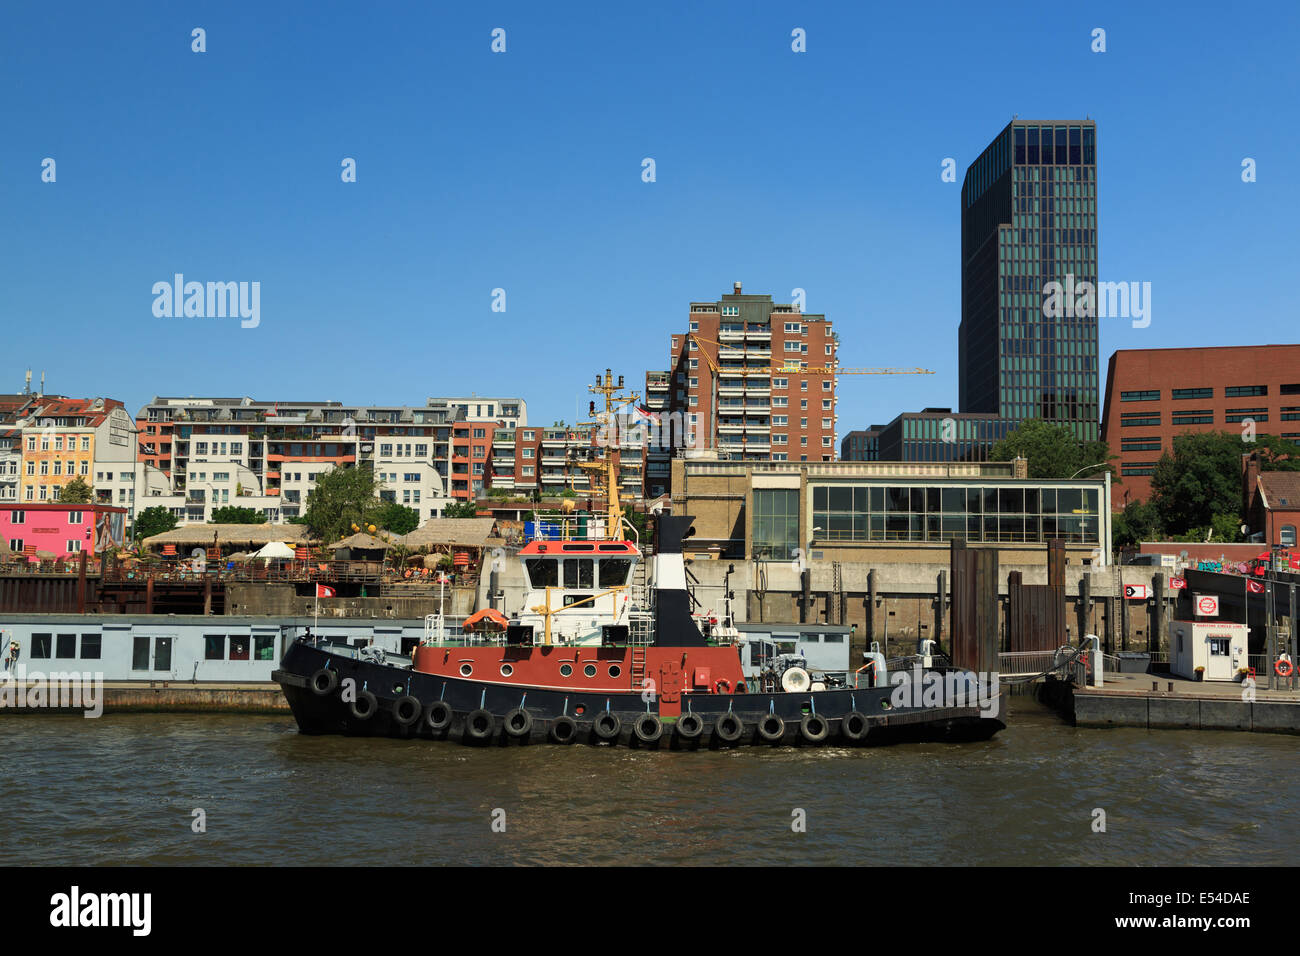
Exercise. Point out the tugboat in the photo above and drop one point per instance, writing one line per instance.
(597, 658)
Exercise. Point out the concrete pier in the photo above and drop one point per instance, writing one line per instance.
(165, 697)
(1160, 701)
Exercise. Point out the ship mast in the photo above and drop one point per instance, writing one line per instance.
(605, 471)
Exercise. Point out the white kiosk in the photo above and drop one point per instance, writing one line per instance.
(1218, 648)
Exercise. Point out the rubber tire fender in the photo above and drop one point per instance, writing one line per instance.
(437, 717)
(606, 725)
(330, 682)
(410, 702)
(814, 728)
(518, 723)
(847, 730)
(566, 736)
(475, 728)
(371, 705)
(690, 726)
(648, 728)
(728, 728)
(771, 728)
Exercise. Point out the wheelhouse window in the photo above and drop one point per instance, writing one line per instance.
(579, 573)
(614, 571)
(543, 572)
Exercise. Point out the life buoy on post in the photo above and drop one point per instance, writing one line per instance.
(1283, 667)
(722, 686)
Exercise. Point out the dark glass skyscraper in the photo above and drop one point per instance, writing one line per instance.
(1029, 218)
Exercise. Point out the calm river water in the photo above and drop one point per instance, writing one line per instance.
(122, 790)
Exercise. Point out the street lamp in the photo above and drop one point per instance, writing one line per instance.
(1086, 467)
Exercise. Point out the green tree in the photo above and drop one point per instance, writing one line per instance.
(342, 497)
(1052, 451)
(466, 509)
(396, 518)
(1200, 478)
(1138, 522)
(153, 521)
(233, 515)
(75, 492)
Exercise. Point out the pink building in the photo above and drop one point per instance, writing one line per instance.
(63, 530)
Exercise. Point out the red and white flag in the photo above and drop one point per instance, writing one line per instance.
(1255, 587)
(324, 591)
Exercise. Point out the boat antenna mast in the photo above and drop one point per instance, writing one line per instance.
(605, 471)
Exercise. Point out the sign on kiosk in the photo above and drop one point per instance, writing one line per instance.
(1207, 605)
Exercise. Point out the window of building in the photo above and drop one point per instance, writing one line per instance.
(74, 545)
(17, 517)
(1204, 416)
(1239, 415)
(1148, 396)
(1180, 394)
(1286, 537)
(1139, 419)
(1242, 391)
(776, 523)
(1140, 444)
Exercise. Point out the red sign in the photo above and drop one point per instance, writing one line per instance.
(1177, 584)
(1255, 587)
(1207, 605)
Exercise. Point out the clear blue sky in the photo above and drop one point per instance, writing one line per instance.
(522, 171)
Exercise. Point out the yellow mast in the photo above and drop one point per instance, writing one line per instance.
(607, 470)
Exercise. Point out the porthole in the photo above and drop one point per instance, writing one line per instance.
(506, 670)
(615, 670)
(566, 670)
(590, 670)
(466, 670)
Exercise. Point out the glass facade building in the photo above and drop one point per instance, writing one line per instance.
(1029, 218)
(1001, 513)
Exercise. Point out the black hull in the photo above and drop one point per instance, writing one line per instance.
(327, 712)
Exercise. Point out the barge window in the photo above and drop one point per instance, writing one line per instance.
(543, 572)
(90, 646)
(572, 599)
(140, 654)
(214, 647)
(66, 646)
(238, 647)
(162, 653)
(578, 573)
(613, 572)
(264, 648)
(833, 638)
(41, 645)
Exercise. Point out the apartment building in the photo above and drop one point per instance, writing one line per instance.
(547, 462)
(198, 454)
(750, 378)
(63, 438)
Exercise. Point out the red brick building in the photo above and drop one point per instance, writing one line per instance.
(1154, 394)
(1272, 502)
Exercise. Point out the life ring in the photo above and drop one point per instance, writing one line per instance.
(722, 686)
(518, 723)
(728, 728)
(406, 710)
(771, 728)
(1283, 668)
(363, 707)
(324, 681)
